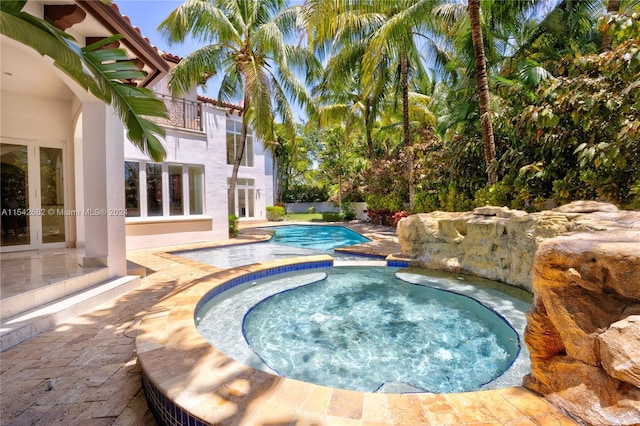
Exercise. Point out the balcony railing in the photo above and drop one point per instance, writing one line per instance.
(182, 112)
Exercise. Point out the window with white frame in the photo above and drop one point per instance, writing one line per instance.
(167, 189)
(234, 132)
(242, 203)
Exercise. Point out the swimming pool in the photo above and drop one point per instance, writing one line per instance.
(373, 329)
(316, 237)
(287, 241)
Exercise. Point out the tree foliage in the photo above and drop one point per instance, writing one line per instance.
(565, 118)
(580, 138)
(247, 44)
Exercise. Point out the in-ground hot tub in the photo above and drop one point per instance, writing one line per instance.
(188, 380)
(367, 328)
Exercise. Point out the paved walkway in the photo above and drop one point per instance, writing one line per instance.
(84, 372)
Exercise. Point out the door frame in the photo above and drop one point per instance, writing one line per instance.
(35, 196)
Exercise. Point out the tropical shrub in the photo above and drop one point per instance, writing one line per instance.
(275, 213)
(399, 215)
(580, 137)
(301, 193)
(333, 217)
(233, 226)
(447, 170)
(387, 184)
(381, 217)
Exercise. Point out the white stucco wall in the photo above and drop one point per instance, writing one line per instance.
(92, 155)
(258, 174)
(103, 163)
(195, 148)
(18, 113)
(33, 117)
(269, 179)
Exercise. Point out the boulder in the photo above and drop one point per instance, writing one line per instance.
(583, 330)
(496, 242)
(620, 350)
(586, 206)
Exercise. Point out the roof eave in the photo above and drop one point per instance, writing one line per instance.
(111, 18)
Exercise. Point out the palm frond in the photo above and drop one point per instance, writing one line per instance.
(109, 68)
(202, 19)
(283, 108)
(101, 71)
(197, 67)
(230, 86)
(532, 74)
(258, 98)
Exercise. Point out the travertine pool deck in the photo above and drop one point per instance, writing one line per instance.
(87, 371)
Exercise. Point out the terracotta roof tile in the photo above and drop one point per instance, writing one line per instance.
(218, 103)
(115, 7)
(170, 57)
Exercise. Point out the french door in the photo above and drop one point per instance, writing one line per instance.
(33, 194)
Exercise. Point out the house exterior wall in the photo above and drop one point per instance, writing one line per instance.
(197, 149)
(258, 173)
(102, 159)
(206, 148)
(91, 155)
(269, 179)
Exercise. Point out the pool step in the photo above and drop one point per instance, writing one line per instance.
(25, 325)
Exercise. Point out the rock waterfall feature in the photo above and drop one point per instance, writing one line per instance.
(582, 262)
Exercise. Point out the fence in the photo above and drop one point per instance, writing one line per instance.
(182, 112)
(326, 207)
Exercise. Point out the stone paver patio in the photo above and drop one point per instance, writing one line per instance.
(85, 372)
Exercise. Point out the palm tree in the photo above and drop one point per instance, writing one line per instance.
(613, 7)
(473, 8)
(395, 39)
(468, 55)
(341, 96)
(95, 68)
(248, 48)
(383, 35)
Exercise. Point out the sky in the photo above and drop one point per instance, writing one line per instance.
(147, 15)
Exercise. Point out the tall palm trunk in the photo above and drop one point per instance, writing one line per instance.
(368, 125)
(612, 7)
(488, 142)
(404, 75)
(240, 144)
(278, 178)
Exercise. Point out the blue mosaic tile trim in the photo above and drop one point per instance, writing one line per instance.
(164, 410)
(261, 274)
(366, 255)
(398, 263)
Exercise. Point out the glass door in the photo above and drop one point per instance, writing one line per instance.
(32, 191)
(52, 195)
(14, 188)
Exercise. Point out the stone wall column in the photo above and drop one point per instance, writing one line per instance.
(103, 171)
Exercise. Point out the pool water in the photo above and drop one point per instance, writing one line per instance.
(316, 237)
(361, 328)
(287, 241)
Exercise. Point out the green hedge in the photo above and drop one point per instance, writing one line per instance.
(338, 217)
(233, 226)
(275, 213)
